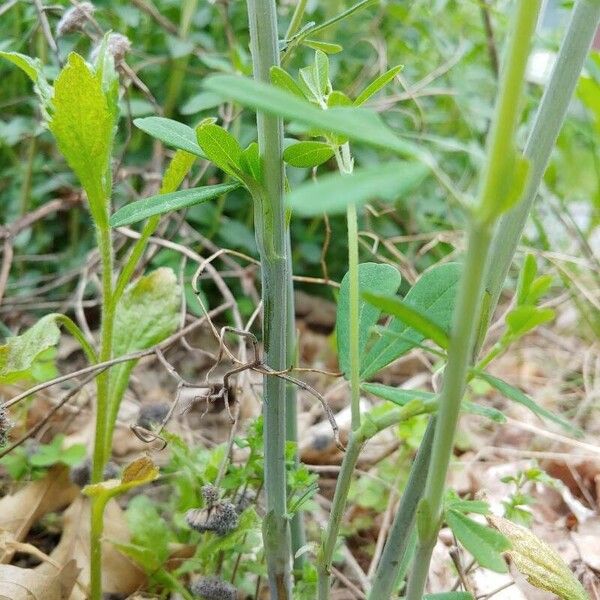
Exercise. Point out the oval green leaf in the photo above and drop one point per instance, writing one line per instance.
(307, 154)
(172, 133)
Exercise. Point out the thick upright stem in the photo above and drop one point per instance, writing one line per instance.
(271, 238)
(468, 306)
(548, 121)
(401, 532)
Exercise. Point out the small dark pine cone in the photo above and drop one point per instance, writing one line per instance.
(152, 414)
(5, 426)
(81, 474)
(210, 493)
(213, 588)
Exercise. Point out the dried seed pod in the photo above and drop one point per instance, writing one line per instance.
(117, 45)
(152, 414)
(210, 494)
(221, 519)
(197, 519)
(213, 588)
(5, 425)
(75, 18)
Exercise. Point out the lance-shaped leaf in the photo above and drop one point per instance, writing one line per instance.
(172, 133)
(484, 543)
(434, 295)
(516, 395)
(401, 397)
(376, 85)
(411, 316)
(19, 353)
(164, 203)
(220, 147)
(332, 193)
(371, 276)
(538, 562)
(357, 124)
(83, 122)
(307, 154)
(32, 67)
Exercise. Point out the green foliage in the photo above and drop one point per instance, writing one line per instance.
(19, 354)
(377, 85)
(31, 461)
(371, 276)
(164, 203)
(484, 543)
(433, 295)
(172, 133)
(308, 154)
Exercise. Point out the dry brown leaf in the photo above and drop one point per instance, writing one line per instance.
(20, 511)
(119, 574)
(28, 584)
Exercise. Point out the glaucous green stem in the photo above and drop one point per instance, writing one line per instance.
(548, 121)
(270, 223)
(468, 306)
(98, 504)
(356, 441)
(401, 533)
(353, 310)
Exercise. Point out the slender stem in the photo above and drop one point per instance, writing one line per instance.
(98, 504)
(401, 533)
(548, 121)
(353, 301)
(271, 235)
(467, 311)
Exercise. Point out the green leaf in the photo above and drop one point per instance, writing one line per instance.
(83, 122)
(377, 85)
(19, 353)
(323, 46)
(200, 102)
(332, 193)
(358, 124)
(371, 276)
(434, 294)
(449, 596)
(283, 80)
(220, 147)
(164, 203)
(337, 98)
(251, 162)
(137, 473)
(172, 133)
(402, 397)
(33, 68)
(410, 316)
(178, 168)
(538, 562)
(484, 543)
(148, 529)
(322, 71)
(307, 154)
(526, 277)
(516, 395)
(523, 319)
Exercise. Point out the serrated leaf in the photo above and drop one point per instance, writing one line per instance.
(358, 124)
(307, 154)
(484, 543)
(221, 148)
(371, 276)
(33, 68)
(172, 133)
(332, 193)
(538, 562)
(515, 394)
(377, 84)
(19, 353)
(83, 122)
(164, 203)
(283, 80)
(433, 294)
(323, 46)
(410, 316)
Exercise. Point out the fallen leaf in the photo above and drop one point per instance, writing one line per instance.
(26, 584)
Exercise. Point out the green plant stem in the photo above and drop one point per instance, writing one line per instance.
(401, 533)
(298, 533)
(296, 19)
(353, 304)
(546, 127)
(468, 306)
(356, 441)
(270, 223)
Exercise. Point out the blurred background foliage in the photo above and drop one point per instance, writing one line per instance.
(443, 99)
